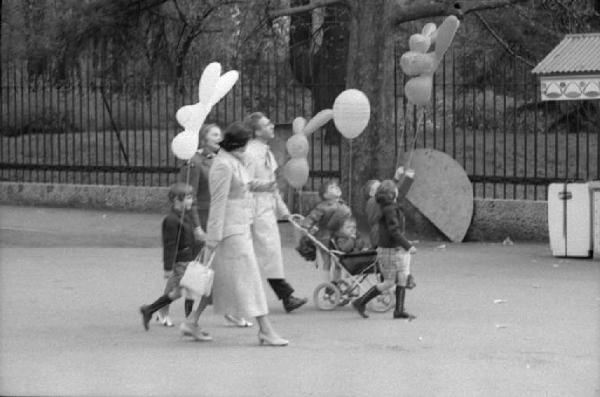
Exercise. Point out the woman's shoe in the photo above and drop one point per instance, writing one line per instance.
(164, 320)
(274, 340)
(195, 332)
(238, 321)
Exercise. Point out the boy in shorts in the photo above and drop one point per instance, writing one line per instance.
(179, 248)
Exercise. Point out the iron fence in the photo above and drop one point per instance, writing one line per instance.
(85, 128)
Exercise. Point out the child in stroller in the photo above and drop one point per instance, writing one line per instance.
(322, 222)
(352, 260)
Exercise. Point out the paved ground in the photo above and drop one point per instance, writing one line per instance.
(71, 282)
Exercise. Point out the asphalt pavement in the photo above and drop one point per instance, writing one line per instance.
(493, 320)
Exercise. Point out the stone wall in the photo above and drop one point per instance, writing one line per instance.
(493, 220)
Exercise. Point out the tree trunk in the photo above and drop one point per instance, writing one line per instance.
(371, 70)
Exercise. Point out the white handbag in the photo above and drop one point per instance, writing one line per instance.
(198, 276)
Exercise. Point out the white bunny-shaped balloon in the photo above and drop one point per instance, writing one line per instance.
(422, 64)
(296, 170)
(211, 89)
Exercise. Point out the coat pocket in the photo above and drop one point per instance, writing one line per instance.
(230, 230)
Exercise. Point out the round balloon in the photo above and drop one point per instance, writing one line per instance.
(185, 144)
(418, 89)
(296, 172)
(297, 146)
(351, 113)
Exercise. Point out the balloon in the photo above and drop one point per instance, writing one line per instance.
(429, 31)
(418, 89)
(298, 125)
(185, 144)
(191, 117)
(421, 64)
(351, 112)
(208, 81)
(297, 146)
(414, 63)
(296, 172)
(318, 121)
(445, 35)
(223, 86)
(419, 43)
(184, 114)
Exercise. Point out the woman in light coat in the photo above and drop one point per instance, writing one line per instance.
(237, 286)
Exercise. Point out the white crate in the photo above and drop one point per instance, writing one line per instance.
(569, 220)
(595, 193)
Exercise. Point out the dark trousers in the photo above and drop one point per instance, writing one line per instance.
(282, 288)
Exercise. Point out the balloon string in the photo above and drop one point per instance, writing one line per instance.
(350, 177)
(187, 182)
(414, 142)
(398, 147)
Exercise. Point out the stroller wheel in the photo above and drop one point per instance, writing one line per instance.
(382, 303)
(346, 293)
(326, 296)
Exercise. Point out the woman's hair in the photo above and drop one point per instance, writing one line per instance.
(251, 121)
(236, 136)
(386, 192)
(204, 130)
(369, 186)
(324, 186)
(179, 190)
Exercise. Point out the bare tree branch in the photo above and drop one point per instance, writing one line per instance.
(458, 8)
(300, 9)
(406, 13)
(501, 41)
(181, 14)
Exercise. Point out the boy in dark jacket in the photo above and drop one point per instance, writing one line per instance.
(404, 180)
(394, 264)
(179, 248)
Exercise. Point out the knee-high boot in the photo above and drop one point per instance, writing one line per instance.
(148, 310)
(360, 304)
(399, 311)
(188, 306)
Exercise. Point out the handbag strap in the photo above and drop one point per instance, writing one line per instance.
(202, 258)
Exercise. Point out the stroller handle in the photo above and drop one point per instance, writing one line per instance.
(294, 219)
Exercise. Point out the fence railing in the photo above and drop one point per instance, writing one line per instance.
(85, 129)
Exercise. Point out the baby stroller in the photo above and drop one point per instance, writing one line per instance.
(360, 272)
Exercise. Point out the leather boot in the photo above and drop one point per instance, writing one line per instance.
(399, 311)
(188, 306)
(292, 303)
(148, 310)
(360, 304)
